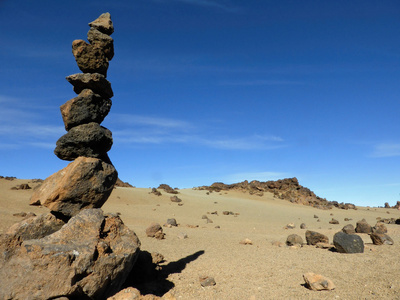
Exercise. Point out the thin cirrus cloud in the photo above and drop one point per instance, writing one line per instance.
(140, 130)
(386, 150)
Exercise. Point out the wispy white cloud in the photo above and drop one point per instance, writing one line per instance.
(154, 130)
(386, 150)
(260, 176)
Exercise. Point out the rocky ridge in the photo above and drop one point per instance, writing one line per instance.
(285, 189)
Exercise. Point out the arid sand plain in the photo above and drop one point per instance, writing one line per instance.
(258, 271)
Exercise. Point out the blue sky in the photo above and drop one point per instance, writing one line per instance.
(216, 90)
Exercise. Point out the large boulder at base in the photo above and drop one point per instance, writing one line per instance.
(103, 24)
(87, 107)
(88, 258)
(348, 243)
(94, 81)
(313, 237)
(89, 140)
(381, 239)
(85, 183)
(103, 41)
(363, 227)
(36, 227)
(90, 59)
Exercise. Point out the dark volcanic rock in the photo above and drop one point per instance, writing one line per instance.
(87, 107)
(348, 243)
(168, 189)
(84, 183)
(363, 227)
(23, 186)
(381, 239)
(89, 140)
(103, 24)
(88, 258)
(90, 59)
(94, 81)
(313, 237)
(103, 41)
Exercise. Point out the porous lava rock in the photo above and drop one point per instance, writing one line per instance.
(348, 243)
(93, 81)
(87, 107)
(103, 41)
(313, 237)
(84, 183)
(89, 140)
(88, 258)
(103, 23)
(90, 59)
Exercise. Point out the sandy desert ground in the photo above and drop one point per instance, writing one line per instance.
(258, 271)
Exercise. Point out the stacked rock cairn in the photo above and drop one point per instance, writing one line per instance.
(88, 181)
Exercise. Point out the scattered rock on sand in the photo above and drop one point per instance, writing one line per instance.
(313, 237)
(363, 227)
(207, 281)
(379, 228)
(348, 243)
(168, 189)
(171, 222)
(175, 199)
(318, 282)
(278, 244)
(23, 186)
(294, 239)
(155, 230)
(155, 192)
(333, 221)
(349, 229)
(303, 226)
(316, 217)
(182, 236)
(290, 226)
(246, 242)
(381, 239)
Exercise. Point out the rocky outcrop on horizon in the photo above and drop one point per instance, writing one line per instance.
(285, 189)
(75, 251)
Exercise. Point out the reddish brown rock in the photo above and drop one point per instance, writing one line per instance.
(89, 140)
(103, 41)
(155, 230)
(349, 229)
(94, 81)
(90, 59)
(317, 282)
(381, 239)
(380, 227)
(313, 237)
(87, 107)
(103, 23)
(84, 183)
(363, 227)
(88, 258)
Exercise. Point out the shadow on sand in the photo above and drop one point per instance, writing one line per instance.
(151, 278)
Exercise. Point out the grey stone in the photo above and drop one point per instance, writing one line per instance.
(348, 243)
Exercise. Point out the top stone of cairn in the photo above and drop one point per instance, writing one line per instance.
(103, 24)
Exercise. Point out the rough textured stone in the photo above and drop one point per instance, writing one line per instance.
(87, 107)
(313, 237)
(363, 227)
(90, 59)
(89, 140)
(88, 258)
(333, 221)
(348, 243)
(103, 24)
(349, 229)
(318, 282)
(36, 227)
(84, 183)
(381, 239)
(294, 239)
(94, 81)
(155, 230)
(103, 41)
(379, 228)
(207, 281)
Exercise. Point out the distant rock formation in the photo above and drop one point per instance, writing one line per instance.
(286, 189)
(88, 181)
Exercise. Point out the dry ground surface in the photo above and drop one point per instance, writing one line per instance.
(258, 271)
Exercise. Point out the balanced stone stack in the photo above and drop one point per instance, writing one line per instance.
(88, 181)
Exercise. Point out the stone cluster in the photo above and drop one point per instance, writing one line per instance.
(88, 181)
